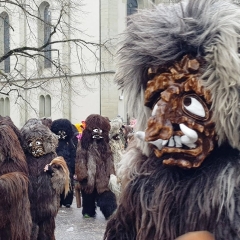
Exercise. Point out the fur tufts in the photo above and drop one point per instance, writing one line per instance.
(63, 124)
(35, 129)
(61, 162)
(204, 29)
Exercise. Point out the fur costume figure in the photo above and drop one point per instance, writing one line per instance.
(15, 217)
(128, 134)
(46, 121)
(66, 148)
(117, 147)
(115, 142)
(179, 67)
(94, 165)
(47, 179)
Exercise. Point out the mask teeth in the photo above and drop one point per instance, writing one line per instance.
(174, 141)
(178, 142)
(171, 142)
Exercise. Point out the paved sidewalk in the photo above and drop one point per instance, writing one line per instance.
(70, 225)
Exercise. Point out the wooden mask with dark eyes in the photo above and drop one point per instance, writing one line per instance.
(180, 129)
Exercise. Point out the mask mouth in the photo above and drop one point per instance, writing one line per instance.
(37, 152)
(186, 148)
(186, 138)
(97, 137)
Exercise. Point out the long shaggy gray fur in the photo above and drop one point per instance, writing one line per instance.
(163, 203)
(158, 37)
(33, 130)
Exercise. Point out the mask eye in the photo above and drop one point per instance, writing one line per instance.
(195, 107)
(38, 143)
(30, 144)
(116, 137)
(95, 130)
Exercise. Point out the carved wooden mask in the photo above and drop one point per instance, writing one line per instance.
(35, 147)
(181, 127)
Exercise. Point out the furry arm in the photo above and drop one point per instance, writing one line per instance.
(130, 162)
(81, 164)
(111, 165)
(14, 205)
(60, 175)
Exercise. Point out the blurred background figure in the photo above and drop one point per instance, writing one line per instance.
(47, 179)
(67, 146)
(80, 127)
(94, 165)
(128, 134)
(116, 141)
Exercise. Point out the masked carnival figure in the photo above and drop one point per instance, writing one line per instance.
(46, 121)
(94, 165)
(116, 143)
(48, 175)
(66, 148)
(117, 146)
(15, 216)
(179, 67)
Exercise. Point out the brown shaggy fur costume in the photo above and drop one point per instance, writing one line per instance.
(94, 165)
(15, 217)
(179, 67)
(40, 144)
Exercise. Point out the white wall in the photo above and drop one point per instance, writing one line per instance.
(84, 91)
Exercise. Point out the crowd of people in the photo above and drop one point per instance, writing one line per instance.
(171, 174)
(43, 161)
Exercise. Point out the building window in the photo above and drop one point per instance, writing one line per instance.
(4, 107)
(44, 106)
(44, 32)
(5, 40)
(132, 6)
(47, 106)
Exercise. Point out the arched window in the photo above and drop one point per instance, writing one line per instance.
(41, 106)
(132, 6)
(4, 107)
(47, 106)
(47, 32)
(44, 32)
(5, 40)
(44, 106)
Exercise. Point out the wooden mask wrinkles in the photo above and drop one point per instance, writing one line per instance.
(181, 128)
(35, 147)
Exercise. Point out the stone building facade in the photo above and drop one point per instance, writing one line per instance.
(83, 83)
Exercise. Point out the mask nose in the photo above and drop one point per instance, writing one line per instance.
(159, 125)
